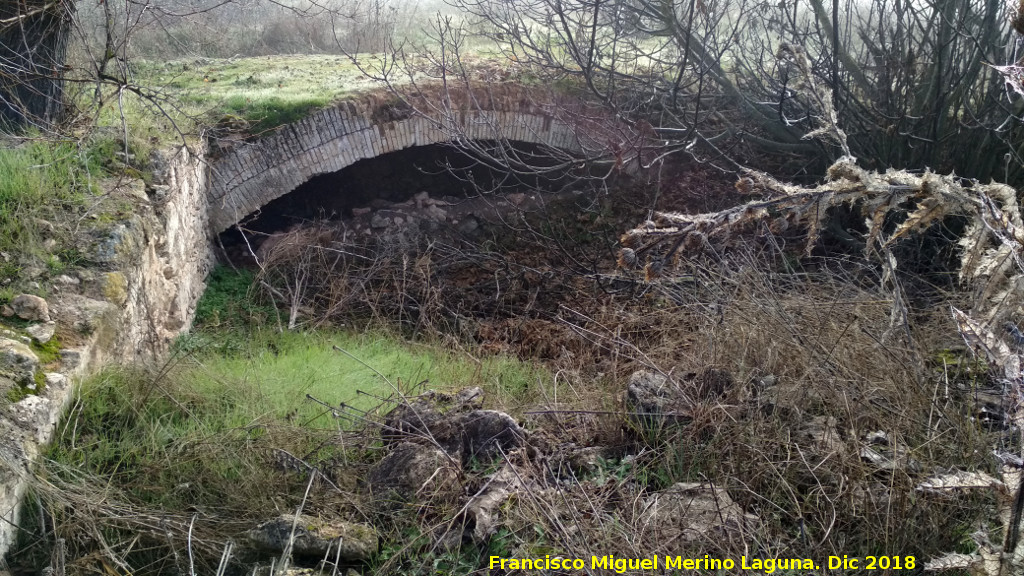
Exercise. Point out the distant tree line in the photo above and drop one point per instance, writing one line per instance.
(911, 82)
(46, 43)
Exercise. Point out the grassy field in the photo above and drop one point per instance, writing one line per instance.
(275, 372)
(207, 401)
(263, 92)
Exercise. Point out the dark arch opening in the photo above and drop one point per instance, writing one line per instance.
(440, 170)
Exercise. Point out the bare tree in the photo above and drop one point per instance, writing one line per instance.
(909, 80)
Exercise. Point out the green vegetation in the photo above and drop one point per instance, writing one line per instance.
(39, 181)
(252, 94)
(275, 371)
(229, 303)
(209, 82)
(48, 352)
(269, 114)
(20, 392)
(229, 426)
(216, 422)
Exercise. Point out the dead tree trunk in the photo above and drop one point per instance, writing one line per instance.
(33, 48)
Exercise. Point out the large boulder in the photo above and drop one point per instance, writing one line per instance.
(652, 398)
(314, 537)
(570, 461)
(422, 421)
(455, 424)
(42, 333)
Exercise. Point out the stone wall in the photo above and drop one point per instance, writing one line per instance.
(253, 174)
(150, 273)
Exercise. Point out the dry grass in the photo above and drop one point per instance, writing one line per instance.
(820, 421)
(828, 422)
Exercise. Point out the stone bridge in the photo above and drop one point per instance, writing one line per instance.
(155, 261)
(254, 173)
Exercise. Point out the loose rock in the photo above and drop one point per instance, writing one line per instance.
(42, 333)
(887, 455)
(456, 424)
(314, 536)
(32, 272)
(487, 434)
(652, 399)
(413, 473)
(422, 422)
(483, 507)
(383, 219)
(468, 225)
(18, 363)
(44, 225)
(31, 308)
(691, 511)
(572, 461)
(436, 214)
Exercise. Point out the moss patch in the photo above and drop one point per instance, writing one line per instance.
(115, 288)
(48, 352)
(20, 392)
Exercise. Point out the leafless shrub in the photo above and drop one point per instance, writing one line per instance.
(990, 267)
(908, 82)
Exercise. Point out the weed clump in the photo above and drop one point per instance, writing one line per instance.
(229, 302)
(38, 181)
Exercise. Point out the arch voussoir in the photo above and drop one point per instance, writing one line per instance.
(255, 173)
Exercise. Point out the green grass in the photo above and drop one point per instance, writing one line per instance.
(237, 392)
(272, 373)
(263, 92)
(217, 422)
(211, 82)
(268, 114)
(39, 180)
(228, 304)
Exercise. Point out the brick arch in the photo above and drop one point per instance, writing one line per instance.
(251, 175)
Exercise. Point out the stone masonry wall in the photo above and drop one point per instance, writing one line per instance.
(150, 274)
(253, 174)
